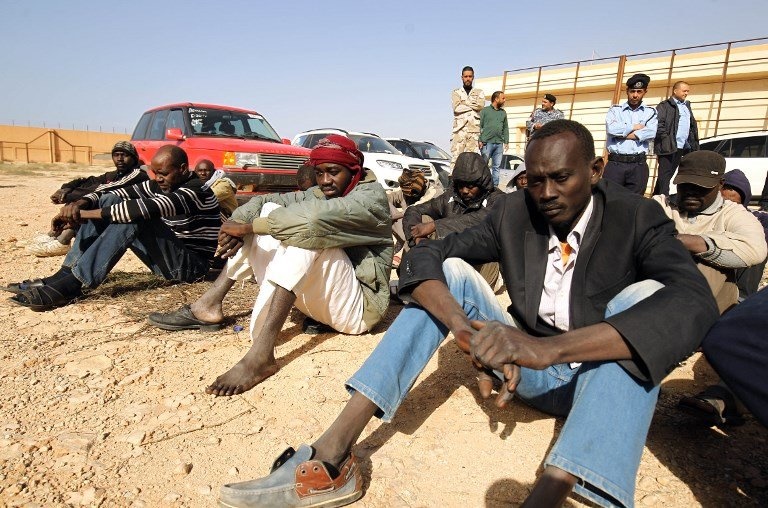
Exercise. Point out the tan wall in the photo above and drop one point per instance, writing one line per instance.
(35, 144)
(587, 97)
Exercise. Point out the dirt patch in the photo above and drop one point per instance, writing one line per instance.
(98, 407)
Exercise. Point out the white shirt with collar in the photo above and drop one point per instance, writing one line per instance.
(554, 308)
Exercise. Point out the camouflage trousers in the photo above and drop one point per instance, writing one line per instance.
(463, 141)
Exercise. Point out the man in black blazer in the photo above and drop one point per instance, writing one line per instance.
(605, 303)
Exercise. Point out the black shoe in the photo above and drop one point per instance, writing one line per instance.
(312, 327)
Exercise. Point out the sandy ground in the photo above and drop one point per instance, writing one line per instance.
(99, 408)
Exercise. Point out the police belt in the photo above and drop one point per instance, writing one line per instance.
(617, 157)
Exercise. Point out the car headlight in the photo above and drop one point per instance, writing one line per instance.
(243, 159)
(390, 164)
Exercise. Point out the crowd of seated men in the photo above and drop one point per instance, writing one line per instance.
(597, 276)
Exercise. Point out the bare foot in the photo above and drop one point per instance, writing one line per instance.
(208, 307)
(242, 377)
(208, 313)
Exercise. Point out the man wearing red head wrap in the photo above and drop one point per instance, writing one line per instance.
(335, 149)
(326, 250)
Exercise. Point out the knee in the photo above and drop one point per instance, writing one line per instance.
(631, 295)
(109, 199)
(457, 271)
(267, 208)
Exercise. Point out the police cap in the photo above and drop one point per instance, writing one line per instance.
(638, 81)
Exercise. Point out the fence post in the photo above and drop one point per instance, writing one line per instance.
(722, 87)
(51, 147)
(619, 79)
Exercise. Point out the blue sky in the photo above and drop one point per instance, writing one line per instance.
(386, 67)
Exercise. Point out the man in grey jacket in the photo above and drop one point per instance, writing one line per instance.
(327, 250)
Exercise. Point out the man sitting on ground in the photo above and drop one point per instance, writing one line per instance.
(327, 250)
(414, 189)
(467, 204)
(305, 177)
(736, 188)
(170, 223)
(716, 404)
(223, 188)
(737, 349)
(721, 236)
(127, 172)
(519, 179)
(595, 275)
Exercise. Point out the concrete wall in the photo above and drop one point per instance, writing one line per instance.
(35, 144)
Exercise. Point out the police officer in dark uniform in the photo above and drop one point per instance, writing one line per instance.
(630, 127)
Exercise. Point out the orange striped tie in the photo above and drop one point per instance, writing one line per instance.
(565, 252)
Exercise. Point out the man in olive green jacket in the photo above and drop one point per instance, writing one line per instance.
(327, 250)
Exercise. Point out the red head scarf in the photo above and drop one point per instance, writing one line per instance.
(339, 150)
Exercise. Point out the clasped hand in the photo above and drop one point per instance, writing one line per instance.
(231, 238)
(502, 348)
(68, 216)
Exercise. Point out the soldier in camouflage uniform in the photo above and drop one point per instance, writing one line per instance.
(467, 103)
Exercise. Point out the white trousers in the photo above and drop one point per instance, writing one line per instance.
(323, 281)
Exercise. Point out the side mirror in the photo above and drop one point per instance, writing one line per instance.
(174, 134)
(286, 141)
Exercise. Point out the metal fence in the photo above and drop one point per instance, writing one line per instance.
(729, 84)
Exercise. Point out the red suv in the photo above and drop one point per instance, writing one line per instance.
(239, 141)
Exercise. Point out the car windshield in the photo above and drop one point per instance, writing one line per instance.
(225, 123)
(373, 144)
(427, 151)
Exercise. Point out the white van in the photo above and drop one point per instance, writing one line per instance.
(747, 151)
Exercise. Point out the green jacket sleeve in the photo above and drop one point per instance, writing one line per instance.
(252, 209)
(308, 220)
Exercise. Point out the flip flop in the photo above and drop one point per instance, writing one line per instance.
(25, 285)
(181, 319)
(43, 298)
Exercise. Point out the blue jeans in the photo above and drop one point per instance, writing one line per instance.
(100, 244)
(493, 151)
(608, 411)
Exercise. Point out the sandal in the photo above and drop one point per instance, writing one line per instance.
(25, 285)
(43, 298)
(714, 406)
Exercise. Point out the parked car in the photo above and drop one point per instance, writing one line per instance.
(747, 151)
(509, 164)
(386, 161)
(427, 151)
(239, 141)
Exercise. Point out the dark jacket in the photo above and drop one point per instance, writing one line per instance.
(628, 239)
(80, 187)
(450, 213)
(665, 142)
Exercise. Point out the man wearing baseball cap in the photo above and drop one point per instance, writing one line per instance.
(722, 236)
(629, 128)
(327, 251)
